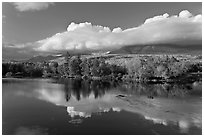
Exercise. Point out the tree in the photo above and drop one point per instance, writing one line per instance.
(37, 72)
(67, 57)
(53, 67)
(9, 74)
(94, 67)
(61, 70)
(11, 67)
(85, 67)
(74, 65)
(133, 67)
(5, 68)
(104, 68)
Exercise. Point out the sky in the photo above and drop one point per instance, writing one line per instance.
(34, 28)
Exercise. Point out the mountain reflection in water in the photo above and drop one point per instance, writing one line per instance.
(163, 104)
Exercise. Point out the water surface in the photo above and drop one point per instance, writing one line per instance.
(42, 106)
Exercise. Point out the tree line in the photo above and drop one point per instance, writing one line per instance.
(90, 68)
(161, 68)
(139, 69)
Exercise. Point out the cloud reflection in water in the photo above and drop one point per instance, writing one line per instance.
(87, 99)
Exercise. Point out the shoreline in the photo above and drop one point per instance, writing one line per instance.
(182, 80)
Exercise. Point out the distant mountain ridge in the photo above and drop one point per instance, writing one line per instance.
(134, 49)
(159, 49)
(42, 58)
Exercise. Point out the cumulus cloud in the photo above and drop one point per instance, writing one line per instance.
(185, 14)
(87, 27)
(163, 28)
(31, 6)
(117, 30)
(157, 18)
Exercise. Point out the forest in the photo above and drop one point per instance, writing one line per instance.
(153, 68)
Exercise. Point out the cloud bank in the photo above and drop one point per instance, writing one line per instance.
(31, 6)
(164, 28)
(159, 29)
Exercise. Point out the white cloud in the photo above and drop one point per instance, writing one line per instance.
(117, 30)
(198, 18)
(185, 14)
(31, 6)
(159, 29)
(87, 26)
(157, 18)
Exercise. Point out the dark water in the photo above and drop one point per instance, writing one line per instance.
(42, 106)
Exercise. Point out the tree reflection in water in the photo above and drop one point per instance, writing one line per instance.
(159, 105)
(79, 88)
(83, 88)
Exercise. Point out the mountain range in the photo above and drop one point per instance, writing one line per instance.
(159, 49)
(192, 49)
(135, 49)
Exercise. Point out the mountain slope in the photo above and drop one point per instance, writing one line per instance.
(133, 49)
(43, 58)
(159, 49)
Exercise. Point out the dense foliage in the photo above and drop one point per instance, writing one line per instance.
(146, 68)
(160, 68)
(91, 68)
(21, 70)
